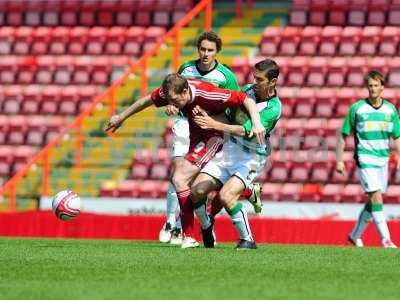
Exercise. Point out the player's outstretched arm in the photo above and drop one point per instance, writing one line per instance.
(218, 123)
(116, 121)
(340, 145)
(258, 128)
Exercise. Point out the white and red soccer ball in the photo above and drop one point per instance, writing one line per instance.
(66, 205)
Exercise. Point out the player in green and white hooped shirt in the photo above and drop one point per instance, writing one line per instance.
(373, 121)
(205, 68)
(242, 159)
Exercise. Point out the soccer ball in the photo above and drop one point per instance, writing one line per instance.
(66, 205)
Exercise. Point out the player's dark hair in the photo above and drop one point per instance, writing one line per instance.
(174, 82)
(375, 75)
(269, 67)
(212, 37)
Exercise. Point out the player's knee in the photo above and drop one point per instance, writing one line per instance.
(226, 196)
(199, 191)
(178, 182)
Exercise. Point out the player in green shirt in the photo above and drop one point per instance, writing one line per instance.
(242, 159)
(373, 121)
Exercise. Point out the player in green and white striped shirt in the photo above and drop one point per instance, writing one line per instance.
(241, 159)
(373, 121)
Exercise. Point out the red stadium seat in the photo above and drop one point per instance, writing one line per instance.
(59, 40)
(357, 67)
(12, 100)
(330, 36)
(270, 191)
(337, 69)
(377, 10)
(150, 189)
(279, 171)
(270, 40)
(69, 12)
(17, 126)
(310, 39)
(50, 100)
(51, 14)
(297, 71)
(310, 193)
(36, 127)
(393, 79)
(115, 40)
(345, 96)
(370, 38)
(31, 98)
(331, 192)
(358, 12)
(4, 129)
(389, 41)
(349, 40)
(6, 39)
(8, 69)
(101, 71)
(41, 38)
(337, 12)
(68, 100)
(352, 193)
(6, 159)
(139, 171)
(317, 71)
(87, 15)
(15, 16)
(317, 13)
(159, 171)
(305, 101)
(290, 192)
(321, 172)
(134, 40)
(325, 102)
(392, 194)
(298, 13)
(128, 188)
(300, 172)
(96, 39)
(106, 11)
(290, 39)
(45, 69)
(124, 14)
(63, 71)
(394, 13)
(78, 39)
(82, 70)
(23, 39)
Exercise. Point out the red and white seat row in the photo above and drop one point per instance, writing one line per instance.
(345, 12)
(12, 158)
(330, 41)
(93, 12)
(344, 193)
(32, 130)
(46, 100)
(60, 70)
(320, 71)
(78, 40)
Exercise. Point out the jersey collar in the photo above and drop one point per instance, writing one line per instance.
(203, 73)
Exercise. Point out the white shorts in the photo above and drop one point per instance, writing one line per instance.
(180, 141)
(232, 160)
(374, 179)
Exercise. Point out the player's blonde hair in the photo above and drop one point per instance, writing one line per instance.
(375, 75)
(174, 83)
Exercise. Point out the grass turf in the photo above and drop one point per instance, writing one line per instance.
(94, 269)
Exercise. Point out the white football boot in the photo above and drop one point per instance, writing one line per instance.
(165, 233)
(189, 242)
(356, 241)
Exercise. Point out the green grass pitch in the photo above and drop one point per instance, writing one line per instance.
(95, 269)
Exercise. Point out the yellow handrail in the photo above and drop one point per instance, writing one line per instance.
(10, 186)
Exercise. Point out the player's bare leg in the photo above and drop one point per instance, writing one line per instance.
(375, 198)
(201, 187)
(229, 196)
(182, 177)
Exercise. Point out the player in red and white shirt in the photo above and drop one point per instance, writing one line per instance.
(186, 94)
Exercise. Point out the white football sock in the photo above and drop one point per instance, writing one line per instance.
(172, 205)
(381, 225)
(201, 214)
(361, 224)
(241, 222)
